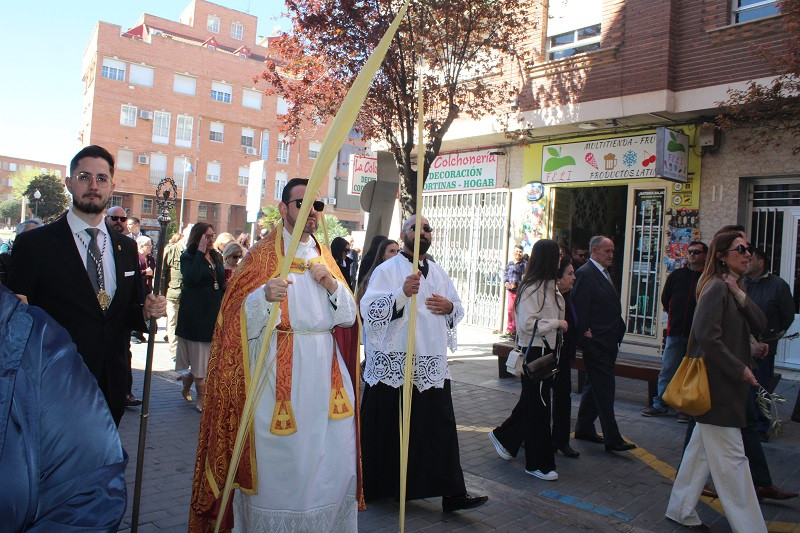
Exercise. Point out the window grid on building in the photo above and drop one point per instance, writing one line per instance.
(237, 31)
(217, 133)
(213, 24)
(280, 182)
(244, 176)
(313, 149)
(183, 131)
(747, 10)
(248, 137)
(213, 172)
(147, 206)
(113, 69)
(202, 211)
(116, 200)
(283, 150)
(124, 159)
(127, 115)
(184, 84)
(221, 92)
(161, 121)
(573, 42)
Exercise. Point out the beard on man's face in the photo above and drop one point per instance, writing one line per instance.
(424, 243)
(87, 206)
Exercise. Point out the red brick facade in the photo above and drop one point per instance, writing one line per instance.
(187, 48)
(651, 46)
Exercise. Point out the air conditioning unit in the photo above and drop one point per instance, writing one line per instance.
(249, 150)
(145, 114)
(330, 201)
(143, 159)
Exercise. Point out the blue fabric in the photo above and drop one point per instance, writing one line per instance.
(674, 350)
(514, 271)
(62, 464)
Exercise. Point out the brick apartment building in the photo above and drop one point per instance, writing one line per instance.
(177, 99)
(9, 165)
(602, 78)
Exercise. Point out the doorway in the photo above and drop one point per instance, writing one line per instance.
(775, 228)
(579, 213)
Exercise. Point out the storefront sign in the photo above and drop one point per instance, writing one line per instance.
(672, 149)
(363, 169)
(466, 171)
(621, 158)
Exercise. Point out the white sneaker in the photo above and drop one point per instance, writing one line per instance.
(550, 476)
(501, 451)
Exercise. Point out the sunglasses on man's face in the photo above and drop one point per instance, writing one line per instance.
(741, 249)
(319, 205)
(695, 252)
(117, 219)
(426, 228)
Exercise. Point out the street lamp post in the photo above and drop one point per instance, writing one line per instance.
(37, 196)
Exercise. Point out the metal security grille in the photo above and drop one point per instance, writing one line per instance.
(470, 245)
(769, 199)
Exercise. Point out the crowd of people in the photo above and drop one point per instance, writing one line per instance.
(318, 447)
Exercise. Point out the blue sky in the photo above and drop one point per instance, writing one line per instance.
(42, 94)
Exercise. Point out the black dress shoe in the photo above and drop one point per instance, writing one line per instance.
(465, 501)
(132, 401)
(621, 447)
(567, 450)
(591, 437)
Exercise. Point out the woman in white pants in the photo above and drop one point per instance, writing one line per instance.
(723, 321)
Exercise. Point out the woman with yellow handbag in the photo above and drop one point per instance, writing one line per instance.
(724, 319)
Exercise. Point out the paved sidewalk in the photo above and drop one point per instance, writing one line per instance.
(597, 492)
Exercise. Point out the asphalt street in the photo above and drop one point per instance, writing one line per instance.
(599, 491)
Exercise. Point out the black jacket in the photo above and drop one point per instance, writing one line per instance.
(773, 295)
(47, 268)
(679, 299)
(598, 307)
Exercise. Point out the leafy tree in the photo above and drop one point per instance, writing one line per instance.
(775, 105)
(22, 179)
(463, 45)
(54, 199)
(9, 212)
(271, 217)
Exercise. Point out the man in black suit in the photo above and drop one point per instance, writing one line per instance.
(87, 277)
(600, 331)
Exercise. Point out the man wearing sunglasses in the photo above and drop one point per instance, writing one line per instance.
(304, 431)
(679, 300)
(116, 218)
(87, 277)
(434, 467)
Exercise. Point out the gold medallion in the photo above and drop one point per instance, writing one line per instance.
(104, 299)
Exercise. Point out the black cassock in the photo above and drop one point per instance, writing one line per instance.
(434, 466)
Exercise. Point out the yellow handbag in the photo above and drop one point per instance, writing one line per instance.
(688, 391)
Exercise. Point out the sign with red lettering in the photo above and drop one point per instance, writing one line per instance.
(363, 169)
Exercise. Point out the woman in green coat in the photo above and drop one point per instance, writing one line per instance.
(201, 295)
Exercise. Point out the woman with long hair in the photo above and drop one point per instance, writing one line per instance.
(339, 249)
(723, 322)
(387, 249)
(369, 257)
(201, 295)
(539, 305)
(562, 382)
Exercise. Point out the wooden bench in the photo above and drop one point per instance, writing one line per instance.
(633, 366)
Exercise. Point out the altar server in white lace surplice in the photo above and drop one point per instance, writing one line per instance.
(434, 468)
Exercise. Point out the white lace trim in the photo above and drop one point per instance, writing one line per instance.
(429, 370)
(340, 517)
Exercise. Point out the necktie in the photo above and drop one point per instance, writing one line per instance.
(605, 273)
(94, 261)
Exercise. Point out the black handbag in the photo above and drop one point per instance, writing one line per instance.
(540, 363)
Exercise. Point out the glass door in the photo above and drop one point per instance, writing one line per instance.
(642, 290)
(789, 347)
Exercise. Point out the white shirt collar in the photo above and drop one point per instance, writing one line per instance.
(600, 267)
(77, 225)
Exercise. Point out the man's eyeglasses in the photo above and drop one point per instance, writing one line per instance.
(85, 179)
(319, 205)
(742, 249)
(695, 252)
(117, 219)
(426, 228)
